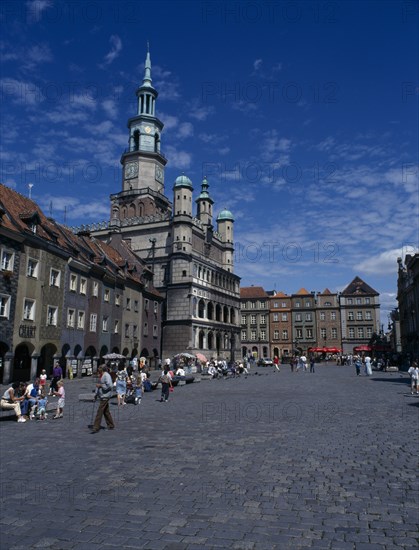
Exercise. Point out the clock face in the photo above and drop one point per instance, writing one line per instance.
(147, 129)
(159, 174)
(131, 170)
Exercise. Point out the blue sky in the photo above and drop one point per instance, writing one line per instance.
(303, 116)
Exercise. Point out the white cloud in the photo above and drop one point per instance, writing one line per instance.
(110, 108)
(116, 47)
(200, 112)
(382, 263)
(185, 130)
(35, 9)
(178, 159)
(256, 64)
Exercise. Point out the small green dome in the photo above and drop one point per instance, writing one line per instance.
(225, 215)
(183, 181)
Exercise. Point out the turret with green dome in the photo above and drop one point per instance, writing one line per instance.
(204, 204)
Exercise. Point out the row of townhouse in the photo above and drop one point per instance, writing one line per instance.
(69, 297)
(406, 318)
(277, 324)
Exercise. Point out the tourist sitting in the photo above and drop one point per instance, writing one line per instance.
(10, 400)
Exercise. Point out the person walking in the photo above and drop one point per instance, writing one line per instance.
(103, 393)
(276, 363)
(57, 374)
(166, 384)
(358, 365)
(312, 364)
(121, 384)
(414, 378)
(368, 368)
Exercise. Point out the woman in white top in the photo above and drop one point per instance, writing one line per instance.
(9, 400)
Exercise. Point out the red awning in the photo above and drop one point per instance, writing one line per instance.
(362, 348)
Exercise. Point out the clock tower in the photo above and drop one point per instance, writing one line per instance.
(142, 162)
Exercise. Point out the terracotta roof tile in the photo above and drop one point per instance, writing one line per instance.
(252, 292)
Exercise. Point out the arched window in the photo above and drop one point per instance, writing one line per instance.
(232, 316)
(225, 316)
(194, 304)
(210, 310)
(210, 340)
(218, 312)
(136, 140)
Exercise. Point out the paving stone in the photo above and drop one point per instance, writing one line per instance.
(284, 461)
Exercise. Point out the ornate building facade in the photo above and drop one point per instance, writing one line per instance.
(192, 261)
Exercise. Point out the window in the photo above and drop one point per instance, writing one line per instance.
(308, 304)
(116, 326)
(359, 315)
(333, 315)
(156, 308)
(83, 286)
(52, 315)
(360, 332)
(4, 306)
(322, 316)
(145, 332)
(29, 310)
(105, 324)
(95, 289)
(252, 305)
(253, 335)
(106, 295)
(359, 301)
(71, 318)
(32, 269)
(328, 304)
(309, 333)
(298, 316)
(323, 333)
(244, 318)
(299, 333)
(334, 333)
(351, 316)
(253, 319)
(369, 332)
(155, 334)
(367, 300)
(117, 299)
(93, 322)
(297, 304)
(285, 334)
(244, 334)
(73, 282)
(276, 334)
(262, 305)
(128, 303)
(276, 304)
(54, 278)
(350, 301)
(136, 305)
(263, 319)
(283, 304)
(263, 335)
(146, 304)
(285, 316)
(368, 316)
(126, 331)
(351, 333)
(7, 260)
(80, 319)
(275, 317)
(308, 317)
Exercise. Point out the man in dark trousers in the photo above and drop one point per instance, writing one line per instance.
(103, 393)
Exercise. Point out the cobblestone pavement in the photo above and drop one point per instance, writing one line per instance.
(277, 460)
